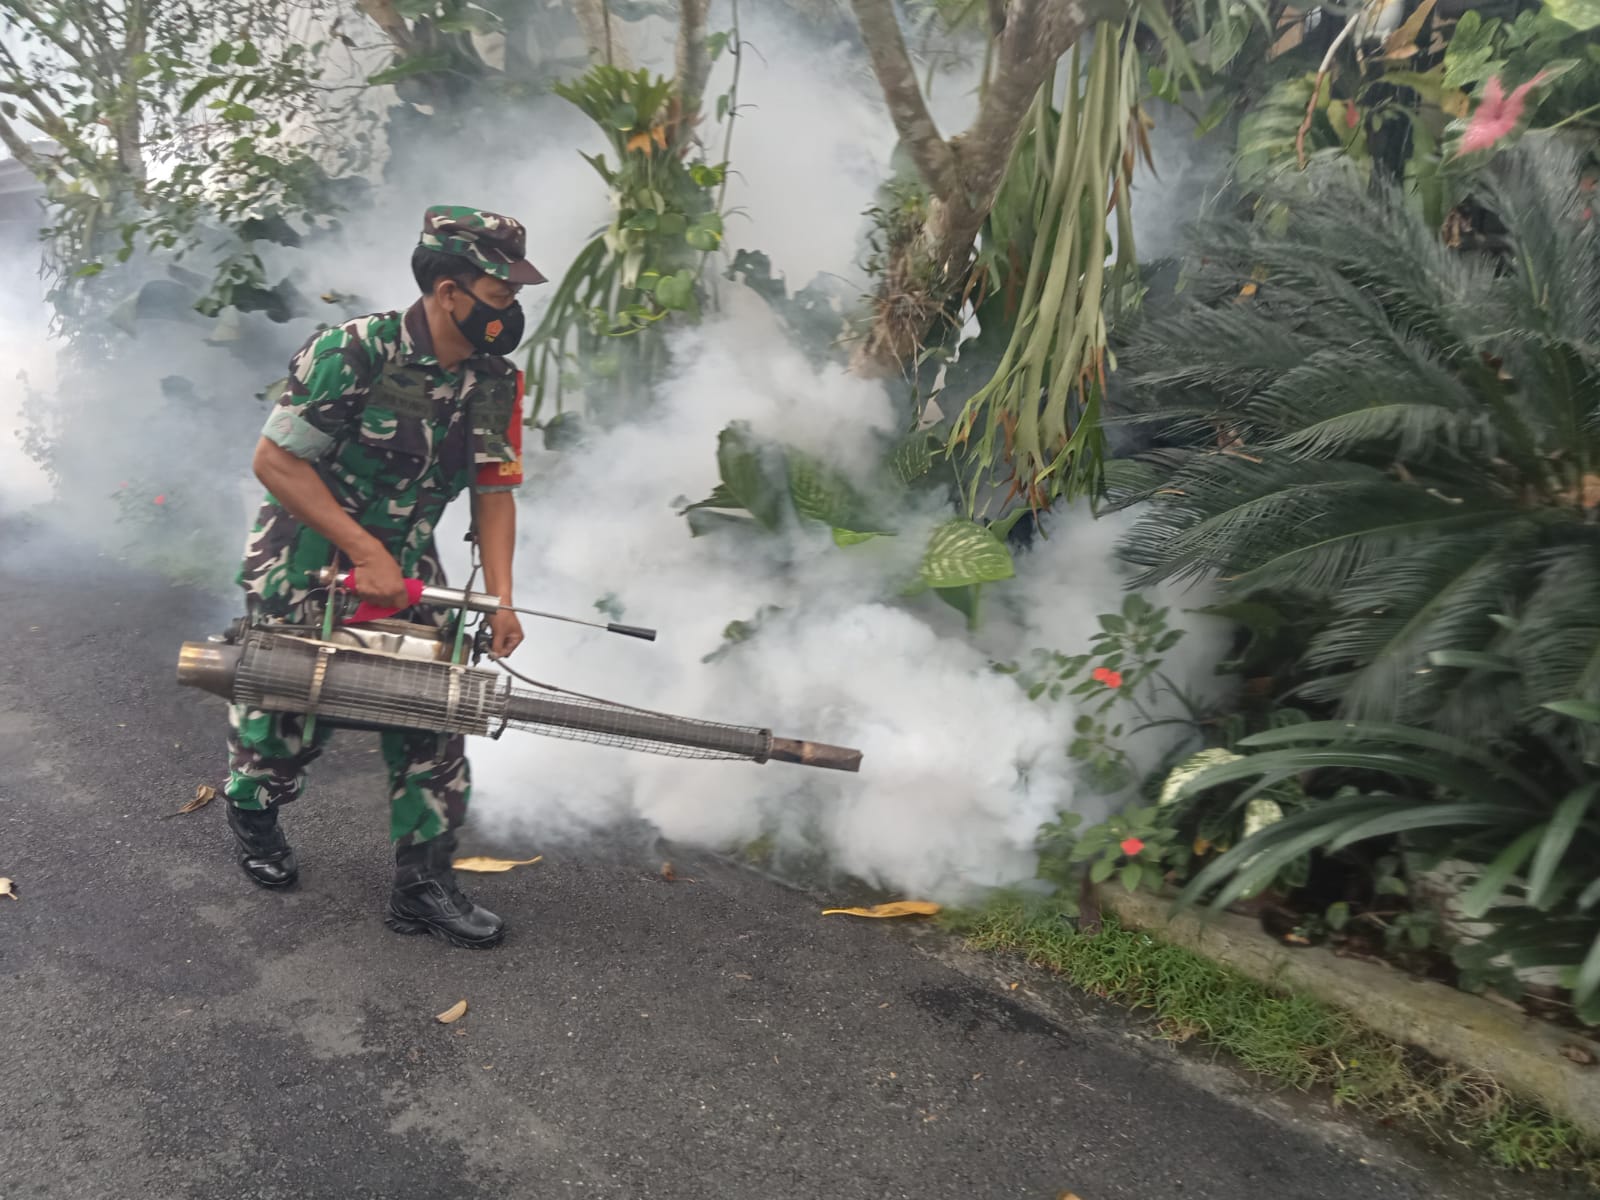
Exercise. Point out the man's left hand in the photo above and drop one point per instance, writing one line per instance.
(507, 631)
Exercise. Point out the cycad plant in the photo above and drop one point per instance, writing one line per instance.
(1404, 433)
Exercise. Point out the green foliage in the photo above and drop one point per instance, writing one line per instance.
(599, 333)
(1128, 650)
(768, 488)
(1129, 846)
(1057, 346)
(1531, 818)
(231, 98)
(1402, 434)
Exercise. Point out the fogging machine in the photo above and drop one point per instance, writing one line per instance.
(361, 668)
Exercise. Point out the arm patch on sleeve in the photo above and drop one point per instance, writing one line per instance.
(500, 461)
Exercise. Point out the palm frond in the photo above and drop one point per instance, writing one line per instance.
(1374, 657)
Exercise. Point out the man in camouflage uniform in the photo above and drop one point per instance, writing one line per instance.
(386, 419)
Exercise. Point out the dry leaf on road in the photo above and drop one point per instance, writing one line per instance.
(900, 908)
(7, 888)
(204, 794)
(453, 1013)
(493, 864)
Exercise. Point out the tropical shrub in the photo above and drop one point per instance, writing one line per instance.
(1396, 433)
(1526, 810)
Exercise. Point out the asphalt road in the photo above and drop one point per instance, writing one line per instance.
(167, 1030)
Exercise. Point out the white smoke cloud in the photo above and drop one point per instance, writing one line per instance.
(29, 368)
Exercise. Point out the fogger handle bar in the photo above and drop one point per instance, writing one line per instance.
(418, 592)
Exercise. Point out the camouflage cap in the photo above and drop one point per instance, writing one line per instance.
(492, 243)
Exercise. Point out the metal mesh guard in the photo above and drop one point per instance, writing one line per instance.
(582, 719)
(277, 673)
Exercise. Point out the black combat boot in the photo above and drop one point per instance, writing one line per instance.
(426, 899)
(264, 852)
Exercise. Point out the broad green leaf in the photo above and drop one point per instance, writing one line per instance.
(1365, 735)
(1482, 894)
(624, 116)
(1467, 58)
(1578, 710)
(1580, 14)
(822, 494)
(1563, 825)
(1428, 815)
(753, 475)
(965, 600)
(197, 93)
(720, 497)
(419, 64)
(708, 520)
(676, 292)
(1001, 527)
(854, 537)
(912, 458)
(1131, 874)
(1102, 869)
(963, 552)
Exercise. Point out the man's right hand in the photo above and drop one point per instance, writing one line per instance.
(379, 580)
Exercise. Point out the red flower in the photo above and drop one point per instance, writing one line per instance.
(1113, 679)
(1131, 846)
(1351, 116)
(1099, 674)
(161, 499)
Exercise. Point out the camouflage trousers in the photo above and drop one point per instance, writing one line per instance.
(429, 778)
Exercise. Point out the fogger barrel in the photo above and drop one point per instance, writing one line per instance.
(368, 689)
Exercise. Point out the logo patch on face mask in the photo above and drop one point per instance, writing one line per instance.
(492, 330)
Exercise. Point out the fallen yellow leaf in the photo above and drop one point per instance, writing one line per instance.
(900, 908)
(493, 864)
(7, 888)
(639, 141)
(453, 1013)
(204, 794)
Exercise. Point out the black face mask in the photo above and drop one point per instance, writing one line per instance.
(492, 330)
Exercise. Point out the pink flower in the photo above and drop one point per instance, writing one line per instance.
(161, 499)
(1099, 674)
(1131, 846)
(1497, 114)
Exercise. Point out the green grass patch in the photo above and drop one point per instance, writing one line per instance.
(1283, 1036)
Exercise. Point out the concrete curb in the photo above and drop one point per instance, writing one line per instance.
(1520, 1053)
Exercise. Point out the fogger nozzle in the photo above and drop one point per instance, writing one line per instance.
(284, 673)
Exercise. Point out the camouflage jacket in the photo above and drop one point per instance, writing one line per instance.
(394, 436)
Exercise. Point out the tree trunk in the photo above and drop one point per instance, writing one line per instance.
(963, 175)
(127, 126)
(601, 33)
(694, 64)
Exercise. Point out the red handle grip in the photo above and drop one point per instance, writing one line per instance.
(368, 611)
